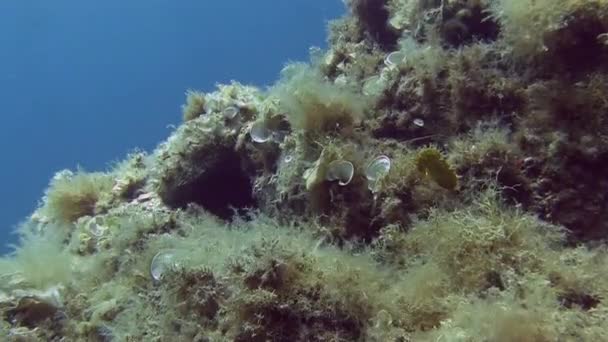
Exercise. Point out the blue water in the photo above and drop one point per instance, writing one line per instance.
(83, 82)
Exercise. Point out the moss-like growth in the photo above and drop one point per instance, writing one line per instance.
(546, 28)
(195, 105)
(39, 262)
(482, 240)
(314, 105)
(525, 24)
(131, 174)
(71, 196)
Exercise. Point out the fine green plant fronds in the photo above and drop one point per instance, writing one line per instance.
(528, 313)
(472, 243)
(313, 104)
(71, 196)
(131, 174)
(524, 24)
(427, 60)
(195, 105)
(39, 261)
(579, 276)
(421, 297)
(471, 149)
(402, 173)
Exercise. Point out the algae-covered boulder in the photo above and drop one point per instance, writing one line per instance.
(436, 175)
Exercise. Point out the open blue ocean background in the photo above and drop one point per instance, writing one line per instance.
(84, 82)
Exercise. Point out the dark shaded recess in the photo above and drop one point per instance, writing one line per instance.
(466, 25)
(373, 16)
(575, 48)
(31, 312)
(494, 280)
(358, 216)
(576, 193)
(515, 187)
(481, 26)
(133, 190)
(288, 322)
(581, 300)
(101, 334)
(358, 223)
(352, 206)
(571, 298)
(221, 187)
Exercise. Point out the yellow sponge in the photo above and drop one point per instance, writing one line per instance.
(430, 162)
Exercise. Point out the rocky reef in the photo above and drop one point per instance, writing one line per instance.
(437, 174)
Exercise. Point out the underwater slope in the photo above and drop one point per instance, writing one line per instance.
(437, 174)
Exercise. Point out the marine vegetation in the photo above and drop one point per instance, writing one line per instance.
(437, 174)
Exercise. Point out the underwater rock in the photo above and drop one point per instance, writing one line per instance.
(438, 174)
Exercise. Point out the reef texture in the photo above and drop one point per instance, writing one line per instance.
(437, 174)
